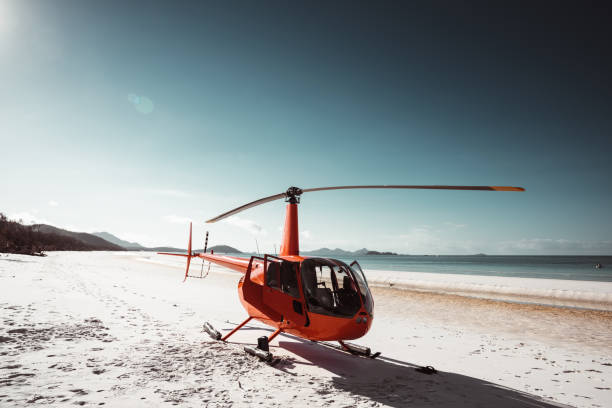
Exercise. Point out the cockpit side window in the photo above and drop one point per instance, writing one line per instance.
(288, 276)
(283, 276)
(329, 288)
(273, 275)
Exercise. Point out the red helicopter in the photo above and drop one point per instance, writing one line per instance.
(319, 299)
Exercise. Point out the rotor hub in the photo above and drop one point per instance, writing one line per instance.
(293, 195)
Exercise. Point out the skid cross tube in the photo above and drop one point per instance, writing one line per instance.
(236, 328)
(273, 335)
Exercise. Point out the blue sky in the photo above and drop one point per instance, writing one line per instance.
(133, 118)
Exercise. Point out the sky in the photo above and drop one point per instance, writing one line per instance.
(137, 117)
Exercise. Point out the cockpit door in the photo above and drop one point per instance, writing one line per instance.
(281, 291)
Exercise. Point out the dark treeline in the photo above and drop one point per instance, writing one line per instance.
(17, 238)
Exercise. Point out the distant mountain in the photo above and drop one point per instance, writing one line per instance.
(221, 249)
(155, 249)
(118, 241)
(224, 249)
(36, 239)
(135, 246)
(26, 239)
(94, 242)
(160, 249)
(336, 252)
(380, 253)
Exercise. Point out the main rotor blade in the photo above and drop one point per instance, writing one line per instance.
(485, 188)
(283, 195)
(246, 206)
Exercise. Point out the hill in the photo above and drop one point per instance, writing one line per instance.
(93, 241)
(335, 252)
(33, 240)
(159, 249)
(381, 253)
(221, 249)
(118, 241)
(224, 249)
(135, 246)
(342, 252)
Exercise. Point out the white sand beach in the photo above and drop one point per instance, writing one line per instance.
(122, 330)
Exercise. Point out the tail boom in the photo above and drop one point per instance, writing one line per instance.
(232, 262)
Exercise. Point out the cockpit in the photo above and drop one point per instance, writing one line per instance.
(333, 288)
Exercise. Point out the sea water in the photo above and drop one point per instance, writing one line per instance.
(552, 280)
(580, 268)
(542, 267)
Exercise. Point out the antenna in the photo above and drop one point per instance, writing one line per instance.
(205, 247)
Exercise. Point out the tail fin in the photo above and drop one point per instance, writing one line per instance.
(188, 254)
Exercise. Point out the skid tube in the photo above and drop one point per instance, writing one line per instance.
(352, 348)
(262, 351)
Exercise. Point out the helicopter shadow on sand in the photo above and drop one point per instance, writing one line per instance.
(397, 383)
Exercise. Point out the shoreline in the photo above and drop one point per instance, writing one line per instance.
(572, 294)
(594, 295)
(569, 327)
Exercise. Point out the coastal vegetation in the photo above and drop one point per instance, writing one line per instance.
(17, 238)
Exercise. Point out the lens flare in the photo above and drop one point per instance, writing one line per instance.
(141, 103)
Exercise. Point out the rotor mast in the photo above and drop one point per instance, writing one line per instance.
(291, 238)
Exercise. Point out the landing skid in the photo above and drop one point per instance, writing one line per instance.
(214, 334)
(261, 351)
(352, 348)
(257, 352)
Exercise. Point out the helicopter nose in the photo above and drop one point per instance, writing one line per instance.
(362, 317)
(362, 323)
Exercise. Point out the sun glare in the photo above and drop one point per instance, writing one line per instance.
(8, 21)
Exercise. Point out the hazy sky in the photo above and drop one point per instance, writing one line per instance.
(133, 117)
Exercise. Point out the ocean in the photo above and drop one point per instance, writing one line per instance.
(571, 281)
(580, 268)
(542, 267)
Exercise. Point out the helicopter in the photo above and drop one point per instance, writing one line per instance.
(318, 299)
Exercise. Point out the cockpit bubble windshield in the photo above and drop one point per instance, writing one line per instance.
(368, 303)
(329, 288)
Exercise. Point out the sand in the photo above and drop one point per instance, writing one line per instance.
(573, 293)
(121, 329)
